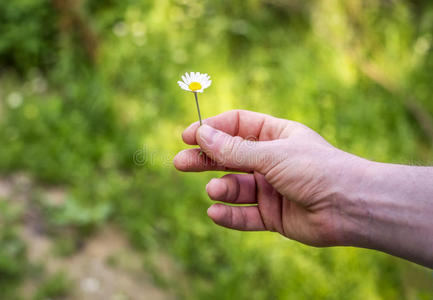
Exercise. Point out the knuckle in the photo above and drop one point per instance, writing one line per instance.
(231, 218)
(243, 219)
(233, 188)
(237, 111)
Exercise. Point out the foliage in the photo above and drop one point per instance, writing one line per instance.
(27, 34)
(13, 262)
(56, 286)
(95, 106)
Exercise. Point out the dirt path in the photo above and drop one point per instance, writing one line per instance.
(90, 270)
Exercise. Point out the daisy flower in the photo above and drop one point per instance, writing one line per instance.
(195, 82)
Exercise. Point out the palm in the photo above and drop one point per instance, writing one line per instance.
(291, 219)
(286, 193)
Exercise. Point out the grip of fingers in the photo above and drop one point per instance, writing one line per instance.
(233, 151)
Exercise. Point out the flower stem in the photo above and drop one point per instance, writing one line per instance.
(199, 117)
(198, 108)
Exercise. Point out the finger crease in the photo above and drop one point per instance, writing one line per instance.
(237, 191)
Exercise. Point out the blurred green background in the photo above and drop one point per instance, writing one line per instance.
(91, 117)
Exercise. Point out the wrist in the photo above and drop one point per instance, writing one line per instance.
(388, 208)
(353, 202)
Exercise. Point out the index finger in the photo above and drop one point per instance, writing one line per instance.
(243, 123)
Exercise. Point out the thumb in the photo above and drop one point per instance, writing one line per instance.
(237, 153)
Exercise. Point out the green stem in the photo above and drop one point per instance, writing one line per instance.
(199, 117)
(198, 108)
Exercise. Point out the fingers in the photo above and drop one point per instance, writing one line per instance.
(233, 188)
(190, 160)
(246, 124)
(271, 206)
(237, 153)
(246, 218)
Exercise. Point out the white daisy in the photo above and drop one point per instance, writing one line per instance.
(195, 82)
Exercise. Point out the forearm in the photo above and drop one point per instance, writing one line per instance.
(391, 210)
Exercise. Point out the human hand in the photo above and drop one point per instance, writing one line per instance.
(295, 181)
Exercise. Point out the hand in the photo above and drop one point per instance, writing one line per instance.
(296, 183)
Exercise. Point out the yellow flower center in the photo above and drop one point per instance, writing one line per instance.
(195, 86)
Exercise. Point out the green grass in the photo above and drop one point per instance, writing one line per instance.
(73, 122)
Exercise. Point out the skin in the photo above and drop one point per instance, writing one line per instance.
(297, 184)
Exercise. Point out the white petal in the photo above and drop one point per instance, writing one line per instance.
(188, 78)
(183, 85)
(192, 76)
(203, 79)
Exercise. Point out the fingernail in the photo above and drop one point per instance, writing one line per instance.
(207, 134)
